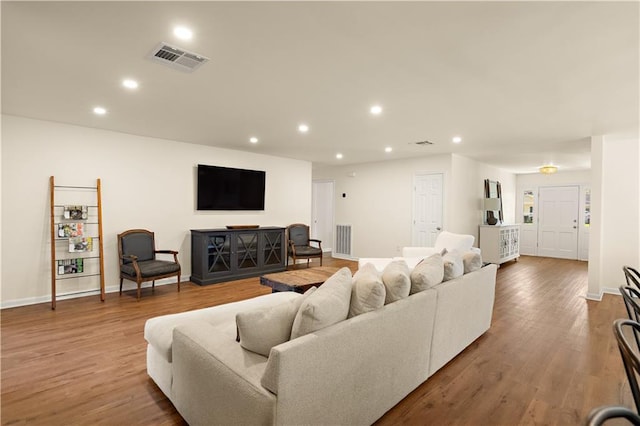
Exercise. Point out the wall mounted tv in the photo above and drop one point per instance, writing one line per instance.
(224, 188)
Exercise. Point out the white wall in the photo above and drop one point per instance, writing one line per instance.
(147, 183)
(379, 198)
(615, 212)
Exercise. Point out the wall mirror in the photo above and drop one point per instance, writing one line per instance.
(492, 189)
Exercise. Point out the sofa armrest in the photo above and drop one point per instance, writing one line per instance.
(215, 380)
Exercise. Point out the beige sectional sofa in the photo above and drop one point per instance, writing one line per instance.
(351, 372)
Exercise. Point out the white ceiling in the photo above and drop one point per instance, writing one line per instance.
(524, 83)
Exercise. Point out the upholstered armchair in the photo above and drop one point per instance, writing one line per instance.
(299, 244)
(138, 262)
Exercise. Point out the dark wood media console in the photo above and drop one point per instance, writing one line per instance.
(229, 254)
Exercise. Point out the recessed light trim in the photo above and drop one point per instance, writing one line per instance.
(253, 139)
(339, 156)
(99, 110)
(303, 128)
(130, 83)
(375, 110)
(388, 149)
(183, 33)
(456, 139)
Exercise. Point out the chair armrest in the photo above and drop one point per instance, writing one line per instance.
(173, 252)
(316, 241)
(134, 262)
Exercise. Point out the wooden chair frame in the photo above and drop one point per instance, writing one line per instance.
(632, 276)
(629, 355)
(291, 249)
(139, 279)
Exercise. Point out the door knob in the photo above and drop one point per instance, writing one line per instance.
(438, 229)
(575, 227)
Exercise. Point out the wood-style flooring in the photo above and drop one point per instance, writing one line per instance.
(549, 357)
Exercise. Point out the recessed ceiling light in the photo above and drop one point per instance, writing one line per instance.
(253, 140)
(339, 156)
(388, 149)
(456, 139)
(130, 84)
(376, 110)
(99, 110)
(183, 33)
(303, 128)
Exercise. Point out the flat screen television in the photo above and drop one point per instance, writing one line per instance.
(224, 188)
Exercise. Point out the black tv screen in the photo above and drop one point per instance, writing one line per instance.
(224, 188)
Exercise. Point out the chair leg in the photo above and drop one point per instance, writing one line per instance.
(153, 286)
(139, 285)
(178, 283)
(320, 260)
(120, 286)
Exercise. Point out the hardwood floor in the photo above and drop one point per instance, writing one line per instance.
(549, 357)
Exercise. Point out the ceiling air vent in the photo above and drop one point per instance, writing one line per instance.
(177, 58)
(424, 143)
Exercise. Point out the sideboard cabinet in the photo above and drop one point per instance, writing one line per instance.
(499, 243)
(230, 254)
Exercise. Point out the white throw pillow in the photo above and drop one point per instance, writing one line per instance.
(472, 261)
(453, 265)
(328, 305)
(450, 241)
(368, 292)
(427, 273)
(397, 281)
(261, 329)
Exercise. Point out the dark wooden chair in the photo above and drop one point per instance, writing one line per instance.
(299, 244)
(631, 297)
(137, 254)
(629, 355)
(600, 415)
(632, 276)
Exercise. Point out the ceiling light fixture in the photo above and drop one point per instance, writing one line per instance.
(183, 33)
(303, 128)
(99, 110)
(456, 139)
(253, 140)
(549, 169)
(376, 110)
(130, 84)
(339, 156)
(388, 149)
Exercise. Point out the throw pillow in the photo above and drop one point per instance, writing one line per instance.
(328, 305)
(472, 261)
(427, 273)
(397, 281)
(451, 241)
(261, 329)
(453, 265)
(367, 292)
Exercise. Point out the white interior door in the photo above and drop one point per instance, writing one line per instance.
(558, 222)
(427, 209)
(322, 213)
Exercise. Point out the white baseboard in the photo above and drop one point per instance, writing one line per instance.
(126, 286)
(594, 296)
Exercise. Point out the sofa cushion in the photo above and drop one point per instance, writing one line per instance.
(263, 328)
(453, 265)
(367, 292)
(427, 273)
(397, 281)
(472, 261)
(450, 241)
(328, 305)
